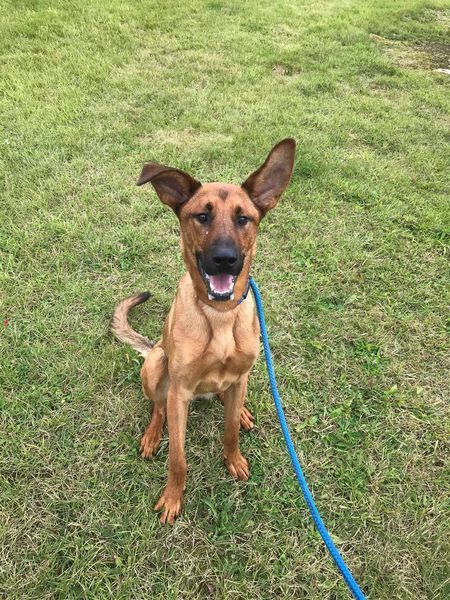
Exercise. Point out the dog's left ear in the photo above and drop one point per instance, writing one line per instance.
(173, 186)
(266, 185)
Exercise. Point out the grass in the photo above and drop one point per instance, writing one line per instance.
(352, 266)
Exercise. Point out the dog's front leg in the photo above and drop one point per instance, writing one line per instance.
(178, 400)
(233, 401)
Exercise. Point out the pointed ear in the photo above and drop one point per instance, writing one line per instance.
(266, 185)
(174, 187)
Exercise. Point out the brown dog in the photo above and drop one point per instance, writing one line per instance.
(211, 335)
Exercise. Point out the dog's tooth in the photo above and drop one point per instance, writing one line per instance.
(232, 296)
(210, 297)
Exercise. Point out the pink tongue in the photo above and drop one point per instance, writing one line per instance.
(221, 283)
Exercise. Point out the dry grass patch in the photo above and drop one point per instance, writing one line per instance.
(419, 55)
(186, 138)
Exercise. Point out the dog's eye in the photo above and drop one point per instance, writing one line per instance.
(242, 220)
(202, 218)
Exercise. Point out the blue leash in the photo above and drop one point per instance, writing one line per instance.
(348, 577)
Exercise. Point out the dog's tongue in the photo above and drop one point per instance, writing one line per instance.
(222, 283)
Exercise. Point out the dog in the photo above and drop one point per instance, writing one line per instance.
(210, 339)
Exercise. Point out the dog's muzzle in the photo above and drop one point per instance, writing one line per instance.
(219, 267)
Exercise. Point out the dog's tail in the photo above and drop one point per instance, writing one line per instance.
(121, 328)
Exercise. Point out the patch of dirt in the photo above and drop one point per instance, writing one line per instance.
(284, 30)
(279, 70)
(283, 70)
(419, 55)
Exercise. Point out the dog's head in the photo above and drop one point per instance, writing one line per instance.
(219, 221)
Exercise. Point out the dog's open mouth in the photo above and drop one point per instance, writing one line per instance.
(219, 286)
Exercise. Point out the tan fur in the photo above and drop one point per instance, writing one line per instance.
(207, 346)
(121, 328)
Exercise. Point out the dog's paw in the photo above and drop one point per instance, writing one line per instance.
(237, 466)
(246, 419)
(150, 441)
(170, 504)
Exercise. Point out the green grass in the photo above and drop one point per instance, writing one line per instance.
(352, 267)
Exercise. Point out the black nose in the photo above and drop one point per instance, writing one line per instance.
(224, 256)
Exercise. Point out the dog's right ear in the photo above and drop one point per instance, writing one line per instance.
(174, 187)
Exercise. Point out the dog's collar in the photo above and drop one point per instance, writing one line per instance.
(244, 295)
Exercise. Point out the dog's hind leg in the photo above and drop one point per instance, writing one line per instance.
(155, 383)
(246, 418)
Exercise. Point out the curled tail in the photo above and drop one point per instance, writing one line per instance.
(121, 328)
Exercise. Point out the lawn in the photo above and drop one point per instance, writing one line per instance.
(352, 266)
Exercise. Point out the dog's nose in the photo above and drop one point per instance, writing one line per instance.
(224, 256)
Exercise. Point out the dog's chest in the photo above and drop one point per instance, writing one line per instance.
(231, 352)
(222, 347)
